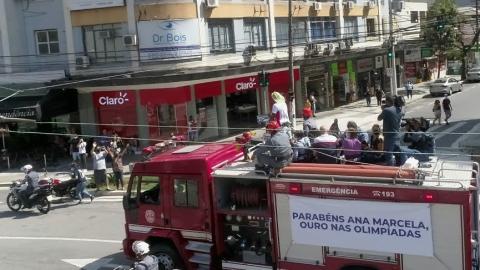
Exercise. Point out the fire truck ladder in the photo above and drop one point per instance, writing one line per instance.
(201, 254)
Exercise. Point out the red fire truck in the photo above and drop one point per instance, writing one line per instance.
(202, 207)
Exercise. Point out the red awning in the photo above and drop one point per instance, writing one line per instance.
(280, 79)
(241, 84)
(208, 89)
(165, 95)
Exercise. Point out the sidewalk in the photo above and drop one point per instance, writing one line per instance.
(356, 111)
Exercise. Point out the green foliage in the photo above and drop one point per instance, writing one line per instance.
(440, 30)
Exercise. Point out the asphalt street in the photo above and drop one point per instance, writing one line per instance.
(459, 135)
(86, 236)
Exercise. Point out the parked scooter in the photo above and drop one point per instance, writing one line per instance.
(40, 198)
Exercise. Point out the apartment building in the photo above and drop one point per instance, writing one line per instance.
(154, 63)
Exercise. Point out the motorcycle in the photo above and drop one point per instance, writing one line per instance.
(63, 184)
(40, 197)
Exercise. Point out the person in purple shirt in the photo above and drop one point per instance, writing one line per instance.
(351, 145)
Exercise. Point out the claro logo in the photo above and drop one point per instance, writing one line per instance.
(112, 101)
(246, 85)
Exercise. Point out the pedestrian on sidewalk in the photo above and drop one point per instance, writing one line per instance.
(447, 108)
(117, 165)
(313, 101)
(308, 122)
(192, 130)
(74, 147)
(391, 116)
(99, 155)
(409, 89)
(437, 112)
(368, 96)
(82, 151)
(81, 188)
(379, 95)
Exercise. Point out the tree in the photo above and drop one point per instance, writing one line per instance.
(466, 39)
(440, 28)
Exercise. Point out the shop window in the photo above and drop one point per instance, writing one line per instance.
(371, 27)
(254, 31)
(323, 29)
(351, 28)
(299, 31)
(104, 42)
(220, 34)
(414, 16)
(47, 42)
(207, 118)
(186, 193)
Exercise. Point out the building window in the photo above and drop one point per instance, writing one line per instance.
(414, 16)
(323, 29)
(370, 27)
(254, 31)
(351, 28)
(423, 16)
(104, 42)
(220, 34)
(47, 42)
(186, 193)
(299, 31)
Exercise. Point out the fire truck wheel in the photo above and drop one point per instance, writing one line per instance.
(167, 257)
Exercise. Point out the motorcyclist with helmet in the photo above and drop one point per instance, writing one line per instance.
(31, 179)
(144, 261)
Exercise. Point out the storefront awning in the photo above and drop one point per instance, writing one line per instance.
(174, 95)
(59, 102)
(208, 89)
(281, 79)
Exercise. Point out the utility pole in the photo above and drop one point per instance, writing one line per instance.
(393, 78)
(291, 81)
(476, 29)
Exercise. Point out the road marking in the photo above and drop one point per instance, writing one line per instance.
(4, 188)
(447, 131)
(60, 239)
(91, 264)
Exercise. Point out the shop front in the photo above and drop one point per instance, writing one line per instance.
(243, 102)
(207, 103)
(115, 111)
(166, 111)
(317, 84)
(343, 82)
(365, 76)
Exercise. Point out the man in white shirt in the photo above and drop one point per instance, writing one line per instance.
(324, 147)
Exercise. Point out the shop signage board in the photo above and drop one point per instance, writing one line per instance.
(104, 99)
(410, 70)
(23, 112)
(404, 228)
(93, 4)
(412, 54)
(365, 64)
(168, 39)
(426, 52)
(241, 84)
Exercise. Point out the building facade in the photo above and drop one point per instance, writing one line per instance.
(142, 67)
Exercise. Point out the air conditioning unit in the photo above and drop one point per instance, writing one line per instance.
(371, 4)
(212, 3)
(82, 61)
(130, 40)
(105, 34)
(330, 46)
(350, 4)
(336, 5)
(317, 6)
(342, 45)
(319, 48)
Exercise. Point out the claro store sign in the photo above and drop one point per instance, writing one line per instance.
(92, 4)
(114, 98)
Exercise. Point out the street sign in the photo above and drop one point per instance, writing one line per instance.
(389, 72)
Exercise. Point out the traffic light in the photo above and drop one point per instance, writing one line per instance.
(390, 54)
(263, 78)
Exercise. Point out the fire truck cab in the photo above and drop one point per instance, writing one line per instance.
(202, 207)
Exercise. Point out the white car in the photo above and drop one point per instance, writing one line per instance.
(445, 86)
(473, 74)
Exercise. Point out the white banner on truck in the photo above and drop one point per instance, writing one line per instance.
(363, 225)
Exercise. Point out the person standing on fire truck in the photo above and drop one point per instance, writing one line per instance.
(276, 153)
(144, 261)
